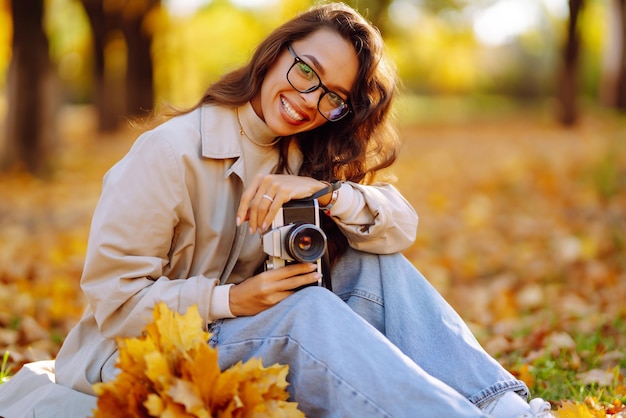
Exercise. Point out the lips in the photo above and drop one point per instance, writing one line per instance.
(290, 111)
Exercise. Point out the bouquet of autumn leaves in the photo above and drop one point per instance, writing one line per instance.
(172, 372)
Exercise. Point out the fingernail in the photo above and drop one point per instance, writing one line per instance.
(318, 275)
(264, 226)
(238, 221)
(251, 230)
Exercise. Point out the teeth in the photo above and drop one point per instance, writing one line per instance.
(290, 110)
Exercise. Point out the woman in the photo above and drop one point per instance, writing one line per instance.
(180, 217)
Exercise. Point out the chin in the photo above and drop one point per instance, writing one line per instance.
(283, 126)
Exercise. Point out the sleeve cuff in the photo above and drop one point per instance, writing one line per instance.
(220, 303)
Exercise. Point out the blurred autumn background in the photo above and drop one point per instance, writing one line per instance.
(512, 116)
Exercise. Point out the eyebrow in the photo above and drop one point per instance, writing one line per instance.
(320, 69)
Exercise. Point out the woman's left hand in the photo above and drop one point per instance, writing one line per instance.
(268, 192)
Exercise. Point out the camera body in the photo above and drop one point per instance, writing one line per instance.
(295, 236)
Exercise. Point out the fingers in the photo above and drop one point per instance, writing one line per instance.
(261, 201)
(296, 282)
(264, 206)
(244, 202)
(266, 289)
(267, 193)
(299, 275)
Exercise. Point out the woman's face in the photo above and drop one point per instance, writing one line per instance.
(287, 111)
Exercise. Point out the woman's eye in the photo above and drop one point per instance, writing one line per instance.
(306, 71)
(335, 99)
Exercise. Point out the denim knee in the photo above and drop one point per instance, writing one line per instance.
(313, 303)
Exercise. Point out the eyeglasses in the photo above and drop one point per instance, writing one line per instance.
(304, 79)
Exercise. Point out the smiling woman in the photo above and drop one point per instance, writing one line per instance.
(181, 219)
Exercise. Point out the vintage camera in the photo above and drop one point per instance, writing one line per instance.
(295, 236)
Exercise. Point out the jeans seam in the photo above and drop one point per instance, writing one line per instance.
(363, 295)
(498, 389)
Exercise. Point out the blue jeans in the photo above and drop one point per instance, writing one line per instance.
(385, 344)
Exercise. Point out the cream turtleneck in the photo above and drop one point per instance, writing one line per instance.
(254, 129)
(257, 159)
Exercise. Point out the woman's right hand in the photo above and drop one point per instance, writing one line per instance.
(266, 289)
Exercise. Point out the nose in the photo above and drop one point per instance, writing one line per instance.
(312, 98)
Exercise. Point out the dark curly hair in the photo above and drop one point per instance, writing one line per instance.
(355, 147)
(351, 149)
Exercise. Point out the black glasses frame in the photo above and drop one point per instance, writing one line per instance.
(296, 60)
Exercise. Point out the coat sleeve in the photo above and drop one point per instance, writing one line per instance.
(375, 218)
(142, 201)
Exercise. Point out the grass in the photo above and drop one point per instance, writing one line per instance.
(5, 371)
(585, 371)
(566, 375)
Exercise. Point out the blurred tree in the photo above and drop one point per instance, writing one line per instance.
(139, 71)
(568, 77)
(620, 99)
(131, 19)
(31, 86)
(104, 94)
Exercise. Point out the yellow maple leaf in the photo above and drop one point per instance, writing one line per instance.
(172, 372)
(132, 354)
(173, 331)
(202, 371)
(122, 394)
(524, 373)
(155, 405)
(157, 369)
(571, 409)
(185, 393)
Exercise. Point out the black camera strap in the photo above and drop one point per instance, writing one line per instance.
(326, 190)
(326, 280)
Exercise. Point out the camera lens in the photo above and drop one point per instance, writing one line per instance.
(305, 243)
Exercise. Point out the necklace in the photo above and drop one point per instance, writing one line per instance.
(260, 144)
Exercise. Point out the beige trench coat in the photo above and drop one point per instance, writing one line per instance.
(164, 231)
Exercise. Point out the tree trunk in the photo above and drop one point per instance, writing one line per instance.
(139, 72)
(620, 99)
(568, 81)
(134, 94)
(611, 55)
(106, 92)
(31, 121)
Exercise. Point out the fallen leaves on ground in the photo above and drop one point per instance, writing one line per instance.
(522, 228)
(172, 372)
(590, 408)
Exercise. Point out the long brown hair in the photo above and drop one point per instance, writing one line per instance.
(355, 147)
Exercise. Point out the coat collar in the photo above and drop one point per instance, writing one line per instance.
(220, 131)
